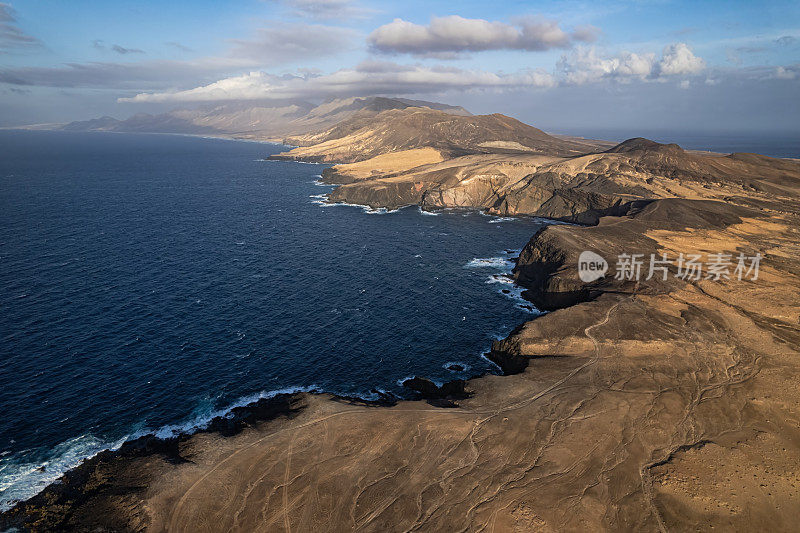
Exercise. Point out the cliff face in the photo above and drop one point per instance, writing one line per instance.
(579, 189)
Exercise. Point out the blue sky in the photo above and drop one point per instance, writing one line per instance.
(652, 64)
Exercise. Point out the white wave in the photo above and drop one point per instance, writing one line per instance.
(503, 264)
(20, 480)
(202, 419)
(428, 213)
(505, 279)
(320, 200)
(378, 210)
(500, 262)
(498, 367)
(367, 209)
(514, 293)
(401, 380)
(502, 219)
(465, 366)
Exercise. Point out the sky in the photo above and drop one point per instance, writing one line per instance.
(563, 66)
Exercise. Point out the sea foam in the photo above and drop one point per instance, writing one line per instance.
(503, 264)
(21, 479)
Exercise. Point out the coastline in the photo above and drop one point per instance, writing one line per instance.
(143, 442)
(576, 371)
(191, 424)
(530, 385)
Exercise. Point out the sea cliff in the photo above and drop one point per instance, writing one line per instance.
(634, 404)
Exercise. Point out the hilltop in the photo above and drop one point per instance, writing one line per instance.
(393, 131)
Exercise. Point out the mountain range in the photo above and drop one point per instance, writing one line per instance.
(262, 120)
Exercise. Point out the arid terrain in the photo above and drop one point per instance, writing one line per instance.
(661, 404)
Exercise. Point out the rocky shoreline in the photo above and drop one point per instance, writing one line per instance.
(642, 404)
(607, 338)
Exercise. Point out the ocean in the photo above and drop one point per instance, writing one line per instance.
(774, 144)
(151, 282)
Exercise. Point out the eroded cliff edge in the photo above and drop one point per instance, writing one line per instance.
(641, 406)
(657, 405)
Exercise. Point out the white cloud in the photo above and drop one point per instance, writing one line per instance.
(454, 34)
(678, 59)
(585, 65)
(366, 79)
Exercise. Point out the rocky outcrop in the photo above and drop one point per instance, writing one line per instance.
(548, 264)
(89, 497)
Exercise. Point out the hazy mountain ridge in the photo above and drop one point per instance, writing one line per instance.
(262, 120)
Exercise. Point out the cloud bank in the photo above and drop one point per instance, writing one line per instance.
(586, 65)
(455, 34)
(369, 78)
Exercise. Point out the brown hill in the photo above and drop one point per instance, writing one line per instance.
(580, 188)
(364, 136)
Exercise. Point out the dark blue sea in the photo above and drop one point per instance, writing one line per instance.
(150, 282)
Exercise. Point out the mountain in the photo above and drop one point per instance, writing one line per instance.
(263, 120)
(367, 134)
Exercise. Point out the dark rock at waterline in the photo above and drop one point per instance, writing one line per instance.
(152, 445)
(439, 396)
(385, 399)
(63, 506)
(508, 362)
(455, 368)
(248, 415)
